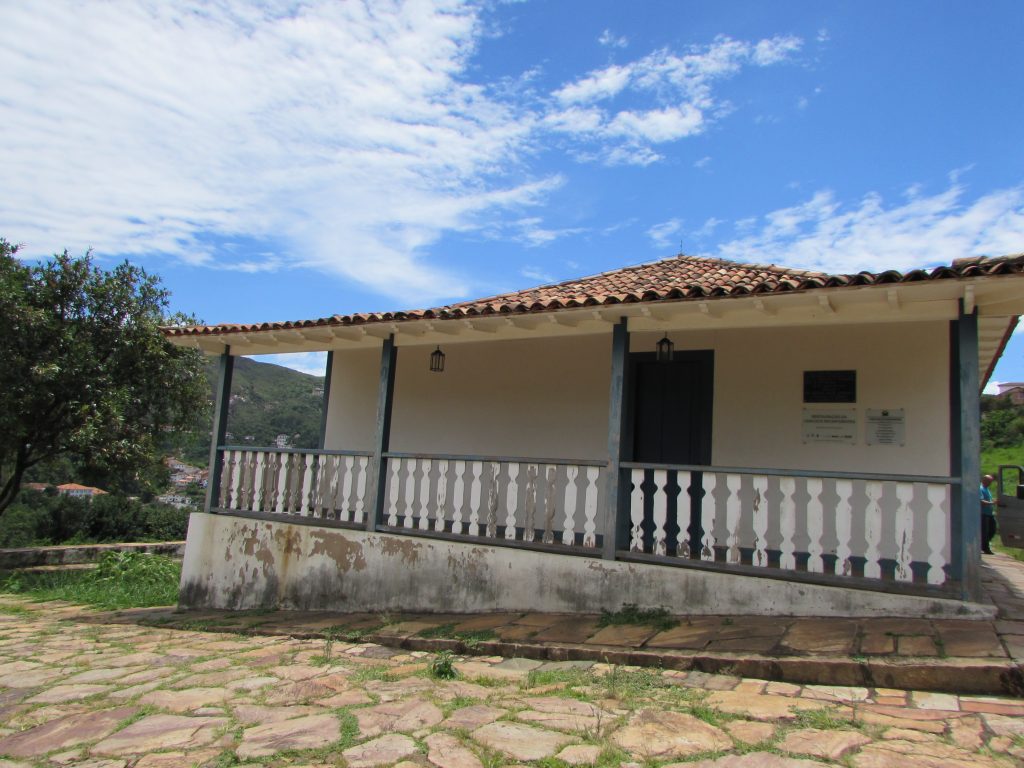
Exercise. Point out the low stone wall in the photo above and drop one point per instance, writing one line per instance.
(241, 563)
(35, 557)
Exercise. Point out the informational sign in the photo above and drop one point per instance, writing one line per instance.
(830, 386)
(885, 426)
(835, 425)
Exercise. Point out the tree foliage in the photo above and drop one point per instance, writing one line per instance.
(86, 372)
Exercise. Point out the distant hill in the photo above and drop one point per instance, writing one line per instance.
(1002, 433)
(267, 400)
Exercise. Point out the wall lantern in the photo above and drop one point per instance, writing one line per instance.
(665, 349)
(437, 361)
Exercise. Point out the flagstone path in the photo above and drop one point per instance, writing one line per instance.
(78, 691)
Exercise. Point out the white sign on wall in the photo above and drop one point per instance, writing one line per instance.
(832, 425)
(885, 426)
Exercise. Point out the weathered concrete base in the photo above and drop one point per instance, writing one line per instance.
(241, 563)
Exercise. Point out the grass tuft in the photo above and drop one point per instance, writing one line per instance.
(442, 666)
(659, 618)
(120, 580)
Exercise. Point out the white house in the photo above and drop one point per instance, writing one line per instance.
(697, 434)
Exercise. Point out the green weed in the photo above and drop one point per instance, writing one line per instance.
(120, 580)
(442, 666)
(658, 618)
(823, 719)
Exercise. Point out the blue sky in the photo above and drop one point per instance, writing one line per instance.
(284, 161)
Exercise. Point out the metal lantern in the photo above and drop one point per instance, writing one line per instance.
(437, 360)
(665, 349)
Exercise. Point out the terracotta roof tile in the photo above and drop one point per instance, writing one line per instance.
(678, 278)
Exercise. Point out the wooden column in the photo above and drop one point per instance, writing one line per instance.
(965, 450)
(382, 438)
(616, 495)
(326, 399)
(222, 399)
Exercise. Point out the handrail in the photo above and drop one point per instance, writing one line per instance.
(500, 459)
(271, 449)
(944, 480)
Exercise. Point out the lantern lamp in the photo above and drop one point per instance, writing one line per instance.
(437, 361)
(665, 349)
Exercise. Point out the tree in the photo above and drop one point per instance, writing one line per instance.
(86, 372)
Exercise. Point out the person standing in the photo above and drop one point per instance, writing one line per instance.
(988, 515)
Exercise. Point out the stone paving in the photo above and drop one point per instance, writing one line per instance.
(80, 689)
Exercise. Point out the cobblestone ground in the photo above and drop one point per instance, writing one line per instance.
(78, 691)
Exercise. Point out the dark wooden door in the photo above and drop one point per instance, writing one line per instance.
(671, 406)
(672, 409)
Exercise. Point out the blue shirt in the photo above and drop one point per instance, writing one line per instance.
(986, 495)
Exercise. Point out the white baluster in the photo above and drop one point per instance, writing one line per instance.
(259, 458)
(362, 470)
(511, 501)
(938, 496)
(425, 465)
(708, 516)
(307, 492)
(636, 511)
(590, 508)
(683, 480)
(396, 490)
(441, 495)
(530, 504)
(660, 512)
(760, 512)
(733, 517)
(787, 523)
(345, 483)
(492, 500)
(236, 480)
(281, 503)
(474, 498)
(571, 495)
(904, 528)
(844, 527)
(412, 465)
(550, 508)
(458, 502)
(873, 529)
(230, 478)
(815, 525)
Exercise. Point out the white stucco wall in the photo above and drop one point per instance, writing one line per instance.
(549, 397)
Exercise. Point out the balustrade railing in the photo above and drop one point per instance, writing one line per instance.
(876, 526)
(532, 501)
(329, 485)
(887, 527)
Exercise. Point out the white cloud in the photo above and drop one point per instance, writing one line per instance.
(313, 363)
(537, 274)
(344, 131)
(675, 92)
(822, 234)
(703, 163)
(611, 41)
(662, 235)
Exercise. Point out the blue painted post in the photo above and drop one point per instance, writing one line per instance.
(382, 440)
(614, 498)
(222, 399)
(965, 454)
(326, 400)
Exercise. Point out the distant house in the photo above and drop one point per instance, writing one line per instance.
(175, 500)
(35, 486)
(1012, 391)
(79, 491)
(282, 441)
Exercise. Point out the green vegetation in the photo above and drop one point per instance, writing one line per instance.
(470, 638)
(41, 519)
(86, 372)
(121, 580)
(1002, 433)
(266, 401)
(659, 618)
(442, 666)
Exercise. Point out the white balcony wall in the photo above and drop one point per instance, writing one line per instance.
(549, 397)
